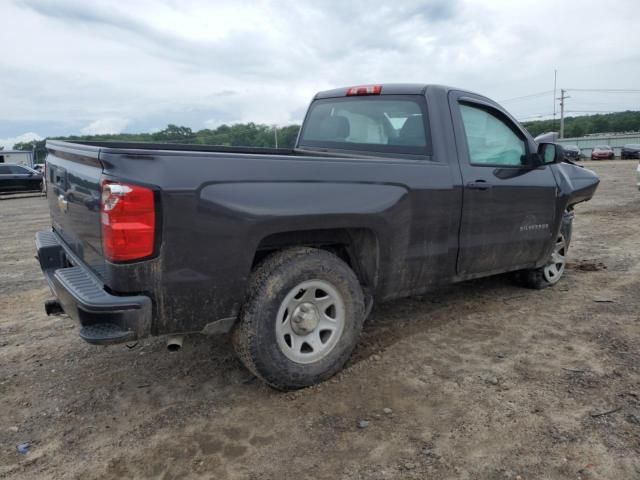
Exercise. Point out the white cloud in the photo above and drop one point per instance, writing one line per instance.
(197, 63)
(105, 125)
(8, 143)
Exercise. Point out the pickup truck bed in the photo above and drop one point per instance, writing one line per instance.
(405, 214)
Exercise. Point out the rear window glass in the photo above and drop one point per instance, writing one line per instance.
(379, 124)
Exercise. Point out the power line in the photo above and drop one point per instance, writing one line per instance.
(539, 116)
(535, 117)
(532, 95)
(596, 111)
(601, 90)
(604, 90)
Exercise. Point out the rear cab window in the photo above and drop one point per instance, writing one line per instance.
(379, 124)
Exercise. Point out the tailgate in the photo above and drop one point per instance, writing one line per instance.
(73, 194)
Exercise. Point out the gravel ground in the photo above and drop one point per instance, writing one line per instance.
(482, 380)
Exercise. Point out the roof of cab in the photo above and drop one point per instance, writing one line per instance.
(387, 89)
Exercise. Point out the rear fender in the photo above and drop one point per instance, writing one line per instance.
(274, 208)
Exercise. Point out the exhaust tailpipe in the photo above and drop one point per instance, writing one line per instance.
(174, 343)
(53, 307)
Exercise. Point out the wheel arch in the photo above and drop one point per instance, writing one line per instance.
(358, 247)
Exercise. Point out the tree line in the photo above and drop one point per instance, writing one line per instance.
(618, 122)
(238, 135)
(259, 135)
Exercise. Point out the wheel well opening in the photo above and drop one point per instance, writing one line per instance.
(357, 247)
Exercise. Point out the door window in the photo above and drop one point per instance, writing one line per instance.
(4, 170)
(490, 140)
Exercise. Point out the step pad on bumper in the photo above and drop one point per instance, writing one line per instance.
(104, 333)
(104, 317)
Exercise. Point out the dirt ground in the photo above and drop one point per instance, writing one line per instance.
(484, 380)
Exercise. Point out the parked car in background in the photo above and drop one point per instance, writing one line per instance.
(602, 152)
(631, 150)
(572, 152)
(19, 178)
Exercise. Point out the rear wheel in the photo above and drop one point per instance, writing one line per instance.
(301, 320)
(550, 274)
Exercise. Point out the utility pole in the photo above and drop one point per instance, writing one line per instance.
(562, 99)
(555, 78)
(275, 134)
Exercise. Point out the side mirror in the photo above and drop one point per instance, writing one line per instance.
(550, 153)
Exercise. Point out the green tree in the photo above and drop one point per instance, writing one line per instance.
(173, 133)
(617, 122)
(36, 146)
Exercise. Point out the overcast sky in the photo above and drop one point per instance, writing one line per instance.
(84, 66)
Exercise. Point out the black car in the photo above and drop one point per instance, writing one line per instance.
(571, 152)
(631, 150)
(19, 178)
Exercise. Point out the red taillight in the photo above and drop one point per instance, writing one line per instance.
(364, 90)
(128, 221)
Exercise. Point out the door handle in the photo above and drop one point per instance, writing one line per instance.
(479, 185)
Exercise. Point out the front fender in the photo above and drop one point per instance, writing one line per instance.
(576, 184)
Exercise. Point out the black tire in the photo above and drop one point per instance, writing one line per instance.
(254, 336)
(539, 278)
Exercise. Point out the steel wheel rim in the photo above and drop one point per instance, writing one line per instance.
(310, 321)
(555, 268)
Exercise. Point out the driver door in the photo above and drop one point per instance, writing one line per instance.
(508, 203)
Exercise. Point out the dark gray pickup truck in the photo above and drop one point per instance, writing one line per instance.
(391, 190)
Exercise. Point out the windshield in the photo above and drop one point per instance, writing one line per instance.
(379, 124)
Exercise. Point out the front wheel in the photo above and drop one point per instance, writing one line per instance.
(301, 320)
(549, 274)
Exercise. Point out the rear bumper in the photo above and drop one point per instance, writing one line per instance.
(104, 318)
